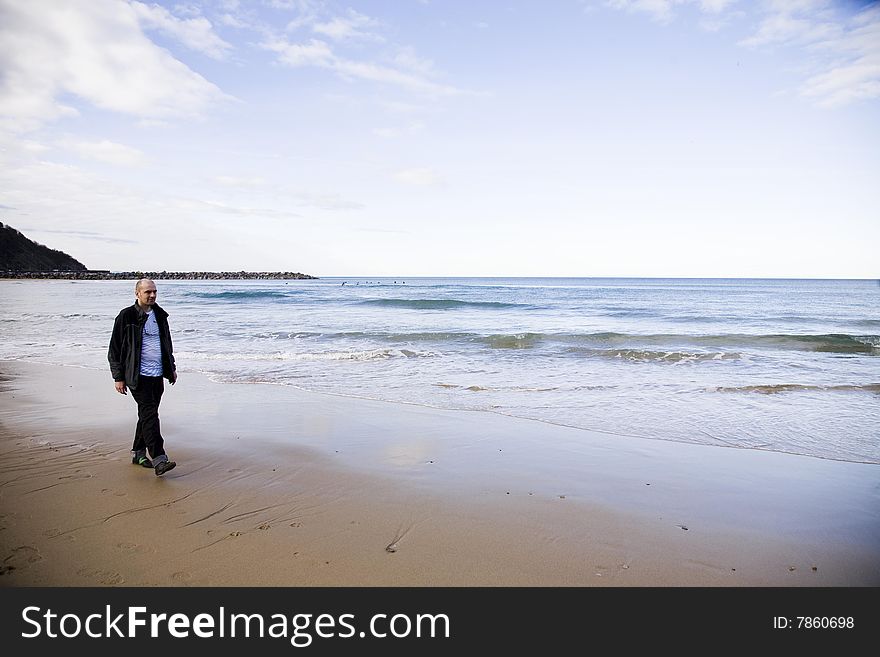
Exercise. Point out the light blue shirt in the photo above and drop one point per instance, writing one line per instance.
(151, 348)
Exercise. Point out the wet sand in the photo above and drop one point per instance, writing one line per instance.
(280, 487)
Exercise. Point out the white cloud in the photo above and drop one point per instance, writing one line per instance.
(715, 14)
(34, 147)
(663, 10)
(857, 76)
(417, 177)
(236, 181)
(409, 129)
(230, 20)
(844, 85)
(659, 10)
(352, 25)
(182, 9)
(400, 107)
(308, 12)
(151, 123)
(62, 196)
(845, 51)
(260, 190)
(314, 53)
(403, 68)
(789, 29)
(94, 51)
(216, 206)
(406, 58)
(105, 151)
(715, 6)
(83, 234)
(388, 75)
(86, 211)
(195, 33)
(796, 6)
(841, 49)
(318, 53)
(324, 201)
(287, 4)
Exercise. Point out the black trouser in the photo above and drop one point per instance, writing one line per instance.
(147, 435)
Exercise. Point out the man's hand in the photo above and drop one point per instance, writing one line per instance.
(120, 387)
(174, 377)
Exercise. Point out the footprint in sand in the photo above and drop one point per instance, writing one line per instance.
(134, 547)
(21, 557)
(25, 553)
(3, 518)
(101, 576)
(118, 493)
(181, 578)
(79, 475)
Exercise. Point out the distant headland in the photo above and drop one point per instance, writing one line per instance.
(99, 275)
(21, 257)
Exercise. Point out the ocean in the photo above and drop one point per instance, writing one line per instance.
(782, 365)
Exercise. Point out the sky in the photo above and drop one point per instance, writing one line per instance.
(650, 138)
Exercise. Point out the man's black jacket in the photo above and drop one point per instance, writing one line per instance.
(124, 353)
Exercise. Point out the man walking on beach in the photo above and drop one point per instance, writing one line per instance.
(140, 356)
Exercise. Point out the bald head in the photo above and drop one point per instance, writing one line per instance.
(145, 291)
(142, 283)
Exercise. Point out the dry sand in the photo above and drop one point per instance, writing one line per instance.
(280, 487)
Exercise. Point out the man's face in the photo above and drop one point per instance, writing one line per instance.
(146, 295)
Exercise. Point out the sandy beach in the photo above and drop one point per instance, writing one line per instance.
(276, 486)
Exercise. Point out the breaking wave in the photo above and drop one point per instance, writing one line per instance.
(438, 304)
(775, 388)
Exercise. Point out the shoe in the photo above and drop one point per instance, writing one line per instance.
(142, 460)
(164, 467)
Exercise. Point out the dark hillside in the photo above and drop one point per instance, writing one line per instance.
(20, 254)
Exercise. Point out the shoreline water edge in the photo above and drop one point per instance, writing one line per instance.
(788, 366)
